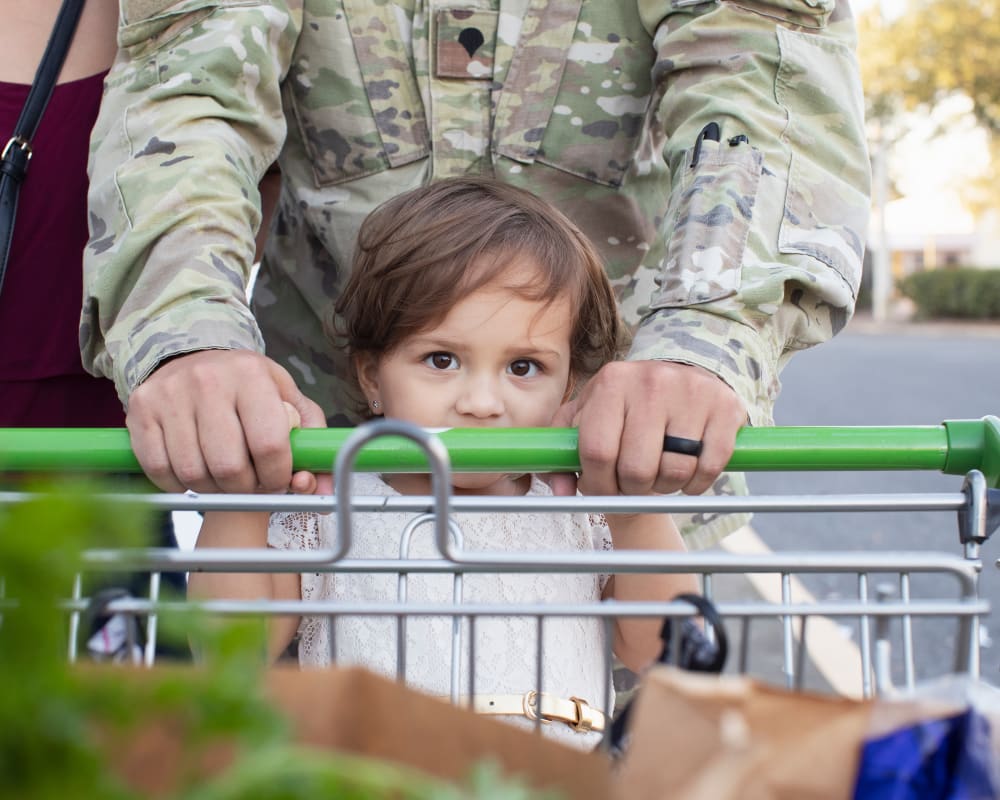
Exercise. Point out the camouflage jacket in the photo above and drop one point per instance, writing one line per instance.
(731, 245)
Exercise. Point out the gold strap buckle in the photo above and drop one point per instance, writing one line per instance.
(580, 716)
(531, 708)
(587, 718)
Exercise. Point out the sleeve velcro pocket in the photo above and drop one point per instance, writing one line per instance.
(708, 224)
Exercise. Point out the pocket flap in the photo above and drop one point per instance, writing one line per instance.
(533, 78)
(147, 19)
(807, 13)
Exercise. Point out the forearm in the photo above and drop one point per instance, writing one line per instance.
(231, 530)
(764, 235)
(184, 136)
(637, 640)
(244, 530)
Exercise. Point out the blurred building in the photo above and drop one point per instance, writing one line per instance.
(931, 231)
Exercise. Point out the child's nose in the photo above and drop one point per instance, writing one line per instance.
(481, 397)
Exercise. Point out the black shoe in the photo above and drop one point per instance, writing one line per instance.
(121, 638)
(112, 637)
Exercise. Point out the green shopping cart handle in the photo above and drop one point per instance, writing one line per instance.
(953, 448)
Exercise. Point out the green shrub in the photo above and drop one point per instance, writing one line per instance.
(49, 710)
(961, 293)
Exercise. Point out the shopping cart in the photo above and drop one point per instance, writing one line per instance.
(884, 612)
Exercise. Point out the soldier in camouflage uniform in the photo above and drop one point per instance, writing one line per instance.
(712, 149)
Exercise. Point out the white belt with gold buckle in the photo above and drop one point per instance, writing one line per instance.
(575, 712)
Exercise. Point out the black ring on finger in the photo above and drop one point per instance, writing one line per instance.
(678, 444)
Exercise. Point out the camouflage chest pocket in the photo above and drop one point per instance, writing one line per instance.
(586, 77)
(353, 94)
(708, 223)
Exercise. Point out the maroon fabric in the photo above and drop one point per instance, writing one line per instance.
(42, 382)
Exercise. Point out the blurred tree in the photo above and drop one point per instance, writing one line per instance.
(884, 96)
(934, 49)
(931, 51)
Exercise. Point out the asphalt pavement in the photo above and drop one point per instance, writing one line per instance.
(890, 373)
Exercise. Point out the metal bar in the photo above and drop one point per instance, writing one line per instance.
(935, 608)
(402, 584)
(744, 661)
(539, 684)
(609, 684)
(149, 654)
(883, 646)
(456, 642)
(531, 449)
(800, 655)
(386, 429)
(168, 559)
(909, 667)
(967, 656)
(865, 636)
(787, 633)
(74, 618)
(707, 591)
(670, 504)
(472, 661)
(401, 635)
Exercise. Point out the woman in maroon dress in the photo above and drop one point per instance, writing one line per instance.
(42, 381)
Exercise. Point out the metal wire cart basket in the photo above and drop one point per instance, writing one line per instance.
(889, 605)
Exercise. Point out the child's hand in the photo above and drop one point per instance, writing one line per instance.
(294, 420)
(302, 482)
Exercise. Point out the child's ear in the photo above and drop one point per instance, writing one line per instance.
(366, 367)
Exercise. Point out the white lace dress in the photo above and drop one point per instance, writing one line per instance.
(505, 647)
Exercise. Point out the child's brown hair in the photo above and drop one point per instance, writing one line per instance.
(414, 253)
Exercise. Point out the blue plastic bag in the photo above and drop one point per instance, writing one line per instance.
(941, 759)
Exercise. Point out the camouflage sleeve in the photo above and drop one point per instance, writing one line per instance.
(768, 214)
(191, 119)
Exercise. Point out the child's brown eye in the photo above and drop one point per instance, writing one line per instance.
(523, 368)
(441, 361)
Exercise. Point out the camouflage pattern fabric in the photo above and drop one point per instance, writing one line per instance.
(731, 261)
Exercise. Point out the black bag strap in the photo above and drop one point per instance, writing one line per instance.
(17, 152)
(685, 646)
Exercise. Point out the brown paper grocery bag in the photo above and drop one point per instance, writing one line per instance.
(354, 711)
(706, 737)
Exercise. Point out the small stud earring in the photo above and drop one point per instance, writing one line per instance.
(375, 405)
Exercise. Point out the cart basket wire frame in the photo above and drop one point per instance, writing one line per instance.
(882, 614)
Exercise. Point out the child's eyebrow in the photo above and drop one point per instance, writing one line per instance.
(437, 341)
(536, 351)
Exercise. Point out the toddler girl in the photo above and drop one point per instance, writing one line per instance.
(470, 304)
